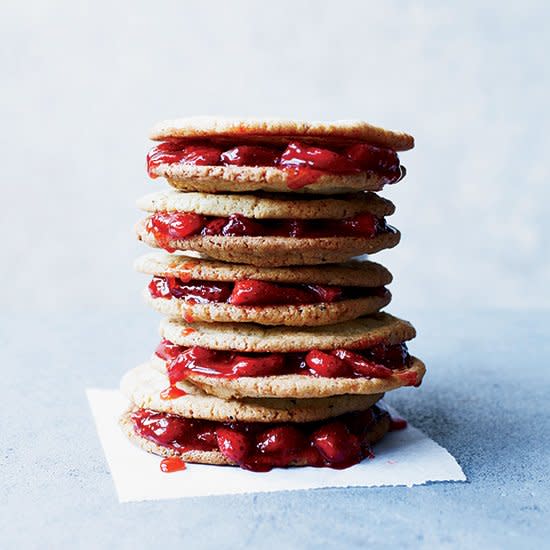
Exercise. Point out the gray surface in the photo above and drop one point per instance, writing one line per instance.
(485, 399)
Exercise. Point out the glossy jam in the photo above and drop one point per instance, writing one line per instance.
(172, 464)
(249, 292)
(176, 226)
(171, 392)
(397, 423)
(338, 443)
(379, 361)
(304, 164)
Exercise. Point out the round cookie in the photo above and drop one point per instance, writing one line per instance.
(262, 207)
(377, 432)
(277, 251)
(280, 130)
(289, 315)
(244, 179)
(359, 274)
(142, 386)
(353, 273)
(379, 328)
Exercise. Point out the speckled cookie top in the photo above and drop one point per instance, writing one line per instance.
(142, 386)
(277, 129)
(266, 207)
(353, 273)
(379, 328)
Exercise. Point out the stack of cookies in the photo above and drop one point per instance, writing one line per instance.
(273, 349)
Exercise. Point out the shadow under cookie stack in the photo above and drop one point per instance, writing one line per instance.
(273, 349)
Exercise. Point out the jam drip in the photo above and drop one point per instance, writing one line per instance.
(172, 464)
(380, 361)
(397, 424)
(303, 163)
(174, 226)
(250, 292)
(171, 392)
(338, 443)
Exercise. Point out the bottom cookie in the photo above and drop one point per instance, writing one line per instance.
(338, 442)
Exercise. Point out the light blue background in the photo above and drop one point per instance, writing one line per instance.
(82, 82)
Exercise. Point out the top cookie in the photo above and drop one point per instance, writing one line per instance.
(277, 129)
(216, 155)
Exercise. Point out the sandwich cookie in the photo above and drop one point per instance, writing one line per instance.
(206, 290)
(213, 155)
(364, 356)
(255, 434)
(267, 231)
(145, 386)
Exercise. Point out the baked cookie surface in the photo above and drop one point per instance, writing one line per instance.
(276, 251)
(143, 385)
(267, 206)
(354, 273)
(289, 315)
(379, 328)
(203, 126)
(246, 179)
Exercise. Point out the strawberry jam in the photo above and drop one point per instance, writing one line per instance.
(177, 226)
(251, 292)
(174, 226)
(339, 442)
(303, 163)
(397, 424)
(171, 392)
(175, 152)
(381, 361)
(172, 464)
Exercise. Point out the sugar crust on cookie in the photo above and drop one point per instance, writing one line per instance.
(353, 273)
(245, 179)
(266, 207)
(142, 386)
(210, 127)
(289, 315)
(364, 332)
(277, 251)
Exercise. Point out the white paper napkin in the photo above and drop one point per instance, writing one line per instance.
(405, 457)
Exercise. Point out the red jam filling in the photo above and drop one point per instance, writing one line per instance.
(171, 392)
(250, 292)
(176, 226)
(380, 361)
(172, 464)
(339, 442)
(303, 163)
(397, 423)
